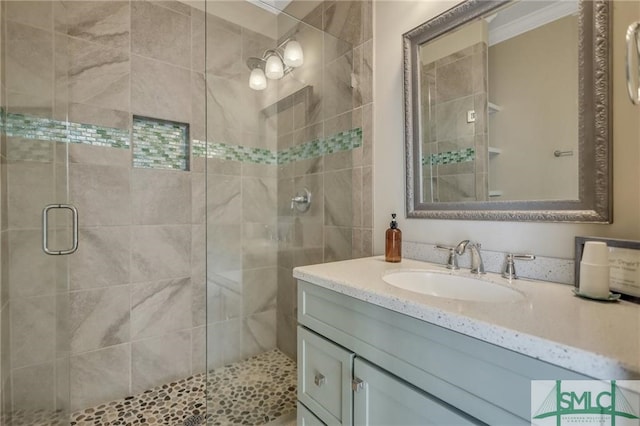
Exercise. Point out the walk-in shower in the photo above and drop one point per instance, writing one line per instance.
(178, 306)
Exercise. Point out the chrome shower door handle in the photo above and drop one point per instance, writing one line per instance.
(45, 229)
(633, 53)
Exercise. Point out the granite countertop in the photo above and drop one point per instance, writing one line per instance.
(598, 339)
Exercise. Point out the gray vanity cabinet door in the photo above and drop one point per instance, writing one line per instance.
(384, 399)
(324, 378)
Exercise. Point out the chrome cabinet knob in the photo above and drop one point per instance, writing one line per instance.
(319, 379)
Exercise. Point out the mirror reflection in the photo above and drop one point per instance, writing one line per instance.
(499, 107)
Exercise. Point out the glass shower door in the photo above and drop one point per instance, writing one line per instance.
(35, 386)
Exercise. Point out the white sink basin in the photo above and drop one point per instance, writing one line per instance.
(451, 286)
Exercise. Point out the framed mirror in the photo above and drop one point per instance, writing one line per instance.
(507, 112)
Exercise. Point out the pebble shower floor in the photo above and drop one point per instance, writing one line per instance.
(256, 391)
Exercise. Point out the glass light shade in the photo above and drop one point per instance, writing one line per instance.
(257, 80)
(274, 68)
(293, 55)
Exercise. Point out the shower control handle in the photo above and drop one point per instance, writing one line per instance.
(301, 201)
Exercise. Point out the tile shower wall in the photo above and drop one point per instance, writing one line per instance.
(455, 152)
(129, 307)
(5, 391)
(336, 96)
(132, 307)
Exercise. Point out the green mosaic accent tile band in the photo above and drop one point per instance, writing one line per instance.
(46, 129)
(160, 144)
(343, 141)
(225, 151)
(450, 157)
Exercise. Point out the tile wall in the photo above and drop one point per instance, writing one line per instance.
(132, 308)
(5, 391)
(455, 152)
(128, 310)
(97, 322)
(331, 93)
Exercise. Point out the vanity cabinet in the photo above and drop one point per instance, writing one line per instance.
(377, 366)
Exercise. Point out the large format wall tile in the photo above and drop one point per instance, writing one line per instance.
(363, 71)
(31, 271)
(34, 13)
(286, 333)
(101, 194)
(343, 20)
(453, 80)
(98, 75)
(259, 290)
(199, 95)
(198, 198)
(102, 259)
(259, 333)
(160, 360)
(32, 330)
(98, 116)
(198, 273)
(451, 119)
(198, 350)
(338, 209)
(160, 33)
(98, 318)
(160, 90)
(367, 197)
(99, 376)
(232, 105)
(338, 97)
(29, 61)
(160, 307)
(337, 242)
(159, 252)
(259, 245)
(259, 200)
(98, 155)
(33, 387)
(224, 201)
(103, 22)
(224, 45)
(30, 188)
(224, 248)
(224, 298)
(161, 197)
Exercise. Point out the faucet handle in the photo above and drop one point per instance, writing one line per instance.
(452, 260)
(509, 271)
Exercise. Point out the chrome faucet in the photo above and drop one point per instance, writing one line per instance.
(477, 267)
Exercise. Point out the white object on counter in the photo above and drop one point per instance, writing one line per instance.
(594, 280)
(594, 270)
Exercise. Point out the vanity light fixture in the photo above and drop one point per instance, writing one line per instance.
(275, 63)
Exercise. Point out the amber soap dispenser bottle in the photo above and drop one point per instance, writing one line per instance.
(393, 246)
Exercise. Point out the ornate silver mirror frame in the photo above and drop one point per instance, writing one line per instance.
(594, 174)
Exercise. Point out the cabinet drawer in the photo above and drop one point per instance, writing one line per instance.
(324, 378)
(306, 417)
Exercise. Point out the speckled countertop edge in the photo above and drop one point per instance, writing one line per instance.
(556, 344)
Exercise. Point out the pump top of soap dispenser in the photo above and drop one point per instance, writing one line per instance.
(393, 224)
